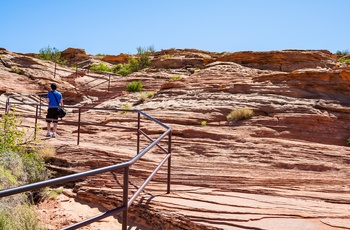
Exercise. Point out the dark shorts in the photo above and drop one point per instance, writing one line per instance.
(51, 115)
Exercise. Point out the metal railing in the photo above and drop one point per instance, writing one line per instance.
(126, 201)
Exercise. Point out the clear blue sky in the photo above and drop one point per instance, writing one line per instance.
(120, 26)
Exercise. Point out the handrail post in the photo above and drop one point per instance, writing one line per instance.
(169, 162)
(109, 82)
(39, 105)
(54, 75)
(36, 121)
(125, 198)
(79, 119)
(7, 107)
(138, 132)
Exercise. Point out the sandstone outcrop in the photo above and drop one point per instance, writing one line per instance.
(116, 59)
(74, 55)
(285, 168)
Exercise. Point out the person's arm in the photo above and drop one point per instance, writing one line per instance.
(47, 99)
(61, 101)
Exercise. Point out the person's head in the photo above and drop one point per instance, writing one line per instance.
(53, 86)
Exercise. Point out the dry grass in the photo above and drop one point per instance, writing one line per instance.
(240, 114)
(46, 152)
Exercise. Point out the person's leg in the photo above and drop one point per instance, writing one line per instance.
(48, 129)
(54, 127)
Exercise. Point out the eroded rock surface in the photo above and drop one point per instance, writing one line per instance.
(285, 168)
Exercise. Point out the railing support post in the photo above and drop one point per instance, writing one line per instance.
(79, 117)
(169, 163)
(40, 105)
(138, 132)
(125, 198)
(7, 105)
(109, 82)
(36, 121)
(54, 75)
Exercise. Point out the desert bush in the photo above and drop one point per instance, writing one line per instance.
(125, 107)
(19, 165)
(52, 193)
(130, 67)
(15, 69)
(51, 54)
(137, 63)
(239, 114)
(344, 60)
(11, 137)
(204, 123)
(175, 78)
(145, 95)
(342, 53)
(20, 217)
(116, 68)
(100, 67)
(144, 56)
(134, 86)
(23, 162)
(46, 152)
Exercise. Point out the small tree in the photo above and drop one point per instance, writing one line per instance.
(49, 53)
(143, 56)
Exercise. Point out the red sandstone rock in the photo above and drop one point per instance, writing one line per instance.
(285, 168)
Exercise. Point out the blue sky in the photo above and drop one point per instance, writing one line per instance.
(120, 26)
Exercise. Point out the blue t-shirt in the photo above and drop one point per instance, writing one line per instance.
(52, 100)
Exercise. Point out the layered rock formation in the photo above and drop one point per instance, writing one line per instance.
(285, 168)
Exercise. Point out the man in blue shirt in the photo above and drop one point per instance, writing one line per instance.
(54, 100)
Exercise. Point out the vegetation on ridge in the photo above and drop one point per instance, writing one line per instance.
(19, 165)
(51, 54)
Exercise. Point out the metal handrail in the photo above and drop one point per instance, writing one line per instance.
(125, 166)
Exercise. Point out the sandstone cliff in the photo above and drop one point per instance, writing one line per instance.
(285, 168)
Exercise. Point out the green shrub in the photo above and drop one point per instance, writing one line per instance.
(124, 72)
(344, 60)
(51, 54)
(140, 61)
(144, 56)
(15, 69)
(146, 95)
(11, 137)
(204, 123)
(116, 68)
(130, 67)
(126, 107)
(133, 65)
(175, 78)
(342, 53)
(22, 216)
(166, 56)
(19, 165)
(240, 114)
(100, 67)
(135, 86)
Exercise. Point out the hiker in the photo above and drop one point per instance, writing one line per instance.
(54, 99)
